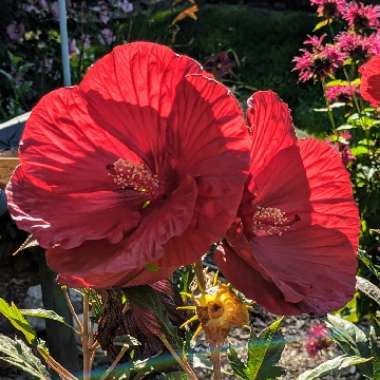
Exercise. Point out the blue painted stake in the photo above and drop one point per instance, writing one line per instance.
(64, 43)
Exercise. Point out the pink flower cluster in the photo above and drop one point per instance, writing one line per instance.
(329, 8)
(356, 46)
(341, 93)
(317, 340)
(318, 60)
(360, 40)
(361, 17)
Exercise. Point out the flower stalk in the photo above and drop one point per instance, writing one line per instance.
(216, 364)
(181, 361)
(86, 338)
(55, 366)
(328, 106)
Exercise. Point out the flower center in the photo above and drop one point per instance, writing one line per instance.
(129, 175)
(269, 221)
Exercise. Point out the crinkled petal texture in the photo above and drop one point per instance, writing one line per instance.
(143, 163)
(370, 81)
(296, 250)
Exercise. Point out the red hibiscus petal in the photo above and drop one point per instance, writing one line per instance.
(63, 181)
(246, 277)
(370, 81)
(91, 266)
(272, 127)
(146, 244)
(314, 268)
(216, 157)
(59, 219)
(331, 199)
(131, 92)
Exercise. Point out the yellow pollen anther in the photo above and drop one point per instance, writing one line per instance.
(268, 221)
(135, 176)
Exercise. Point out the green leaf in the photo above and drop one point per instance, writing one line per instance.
(264, 352)
(374, 334)
(127, 339)
(301, 134)
(332, 106)
(42, 313)
(237, 364)
(18, 354)
(15, 317)
(369, 289)
(345, 127)
(337, 82)
(351, 339)
(322, 24)
(359, 150)
(337, 363)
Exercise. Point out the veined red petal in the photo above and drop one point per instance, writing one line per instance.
(91, 266)
(370, 81)
(272, 127)
(131, 92)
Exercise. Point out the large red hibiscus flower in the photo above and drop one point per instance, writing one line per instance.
(133, 172)
(370, 81)
(294, 247)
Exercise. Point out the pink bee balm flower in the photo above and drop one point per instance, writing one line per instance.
(318, 339)
(361, 17)
(329, 8)
(370, 81)
(340, 93)
(319, 62)
(356, 46)
(133, 172)
(294, 248)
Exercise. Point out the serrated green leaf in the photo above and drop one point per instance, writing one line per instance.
(18, 354)
(17, 320)
(237, 365)
(264, 352)
(337, 363)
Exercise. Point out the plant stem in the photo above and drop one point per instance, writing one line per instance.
(181, 361)
(115, 362)
(71, 308)
(354, 97)
(86, 339)
(215, 359)
(329, 111)
(55, 366)
(199, 274)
